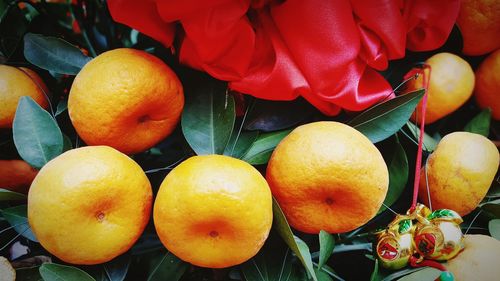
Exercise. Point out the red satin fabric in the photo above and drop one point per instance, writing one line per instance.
(325, 51)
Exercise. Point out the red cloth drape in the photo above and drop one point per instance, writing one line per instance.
(326, 51)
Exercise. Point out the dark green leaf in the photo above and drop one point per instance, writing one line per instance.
(37, 137)
(147, 243)
(208, 119)
(326, 245)
(269, 265)
(61, 107)
(494, 228)
(59, 272)
(243, 143)
(494, 190)
(17, 218)
(385, 119)
(53, 54)
(117, 269)
(28, 274)
(13, 25)
(298, 246)
(398, 176)
(427, 273)
(67, 145)
(263, 147)
(480, 124)
(322, 276)
(492, 207)
(167, 267)
(7, 195)
(375, 275)
(429, 143)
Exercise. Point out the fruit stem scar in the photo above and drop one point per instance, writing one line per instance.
(329, 201)
(213, 233)
(100, 216)
(143, 118)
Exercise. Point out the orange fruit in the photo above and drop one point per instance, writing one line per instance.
(459, 172)
(14, 83)
(16, 175)
(488, 83)
(450, 86)
(327, 175)
(478, 261)
(126, 99)
(213, 211)
(89, 205)
(478, 22)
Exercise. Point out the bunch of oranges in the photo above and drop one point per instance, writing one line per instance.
(91, 204)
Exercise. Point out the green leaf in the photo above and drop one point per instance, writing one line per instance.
(298, 246)
(322, 276)
(375, 275)
(18, 218)
(117, 269)
(167, 267)
(398, 176)
(243, 143)
(37, 137)
(59, 272)
(269, 265)
(261, 150)
(28, 274)
(61, 107)
(480, 124)
(208, 119)
(429, 143)
(385, 119)
(54, 54)
(494, 190)
(7, 195)
(427, 273)
(326, 245)
(494, 228)
(67, 145)
(492, 207)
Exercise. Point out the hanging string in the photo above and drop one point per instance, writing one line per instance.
(425, 72)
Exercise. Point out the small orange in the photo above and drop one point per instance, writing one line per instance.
(459, 172)
(16, 175)
(15, 83)
(213, 211)
(327, 176)
(478, 22)
(127, 99)
(89, 205)
(487, 84)
(450, 86)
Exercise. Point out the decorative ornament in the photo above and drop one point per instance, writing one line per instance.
(422, 236)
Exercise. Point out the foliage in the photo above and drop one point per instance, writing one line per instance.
(57, 38)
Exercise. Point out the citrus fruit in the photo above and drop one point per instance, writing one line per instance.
(7, 273)
(478, 22)
(213, 211)
(459, 172)
(450, 86)
(16, 175)
(126, 99)
(89, 205)
(15, 83)
(327, 175)
(488, 83)
(478, 260)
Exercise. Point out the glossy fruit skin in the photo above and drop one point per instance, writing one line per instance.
(16, 175)
(487, 84)
(479, 25)
(450, 86)
(89, 205)
(126, 99)
(478, 260)
(327, 175)
(459, 172)
(218, 205)
(15, 83)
